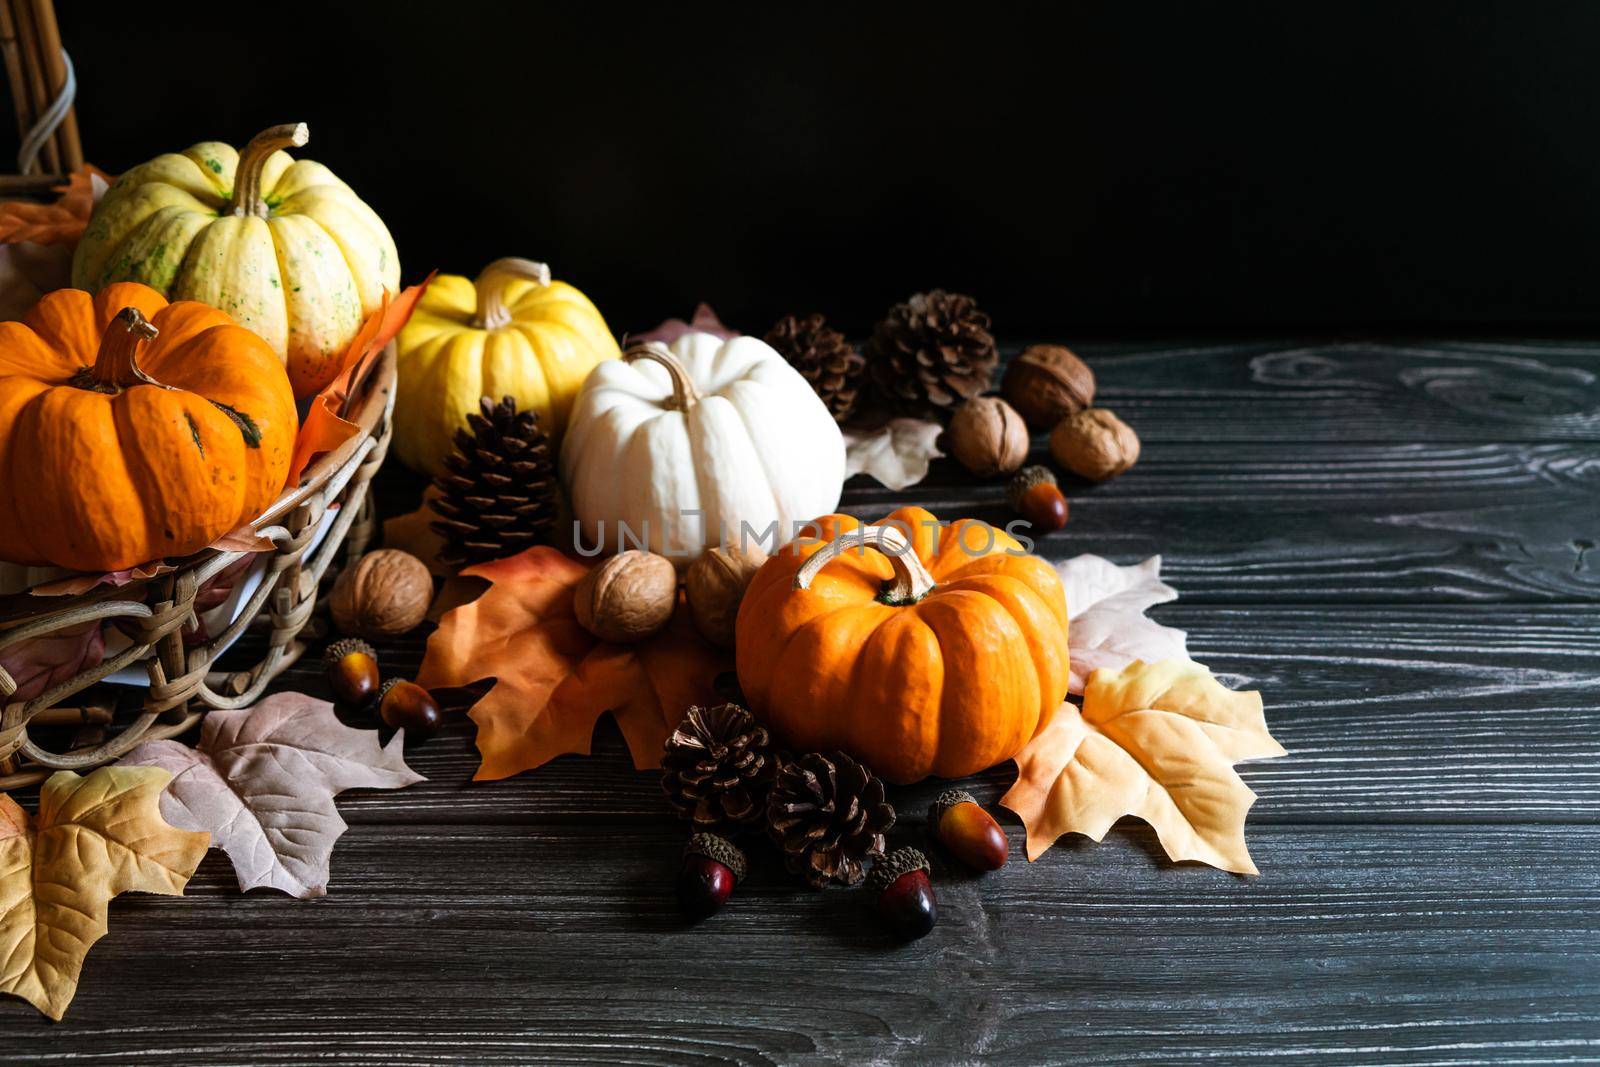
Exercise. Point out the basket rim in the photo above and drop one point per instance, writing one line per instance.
(369, 399)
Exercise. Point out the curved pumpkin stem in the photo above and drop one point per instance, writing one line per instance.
(911, 580)
(684, 394)
(493, 314)
(252, 158)
(116, 364)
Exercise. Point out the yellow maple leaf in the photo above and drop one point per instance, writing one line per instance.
(1155, 740)
(94, 837)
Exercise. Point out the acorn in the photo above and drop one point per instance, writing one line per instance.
(351, 667)
(1035, 496)
(902, 893)
(712, 866)
(404, 705)
(970, 833)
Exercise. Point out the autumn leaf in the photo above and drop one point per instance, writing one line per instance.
(94, 837)
(704, 320)
(325, 428)
(1106, 605)
(553, 678)
(61, 222)
(1155, 740)
(897, 453)
(43, 662)
(262, 782)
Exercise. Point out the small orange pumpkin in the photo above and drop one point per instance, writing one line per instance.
(918, 647)
(132, 429)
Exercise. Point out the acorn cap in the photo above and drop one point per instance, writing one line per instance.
(346, 646)
(719, 849)
(1026, 479)
(383, 690)
(944, 802)
(891, 868)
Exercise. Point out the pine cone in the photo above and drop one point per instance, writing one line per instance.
(823, 357)
(931, 353)
(718, 767)
(497, 495)
(828, 813)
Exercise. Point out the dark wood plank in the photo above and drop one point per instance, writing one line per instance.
(1422, 945)
(1453, 713)
(1354, 391)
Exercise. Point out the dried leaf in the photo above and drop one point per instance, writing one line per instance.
(58, 223)
(27, 272)
(262, 782)
(325, 428)
(553, 679)
(94, 837)
(704, 320)
(1155, 740)
(413, 532)
(896, 453)
(1106, 604)
(42, 662)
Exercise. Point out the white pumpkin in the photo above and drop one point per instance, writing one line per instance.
(685, 448)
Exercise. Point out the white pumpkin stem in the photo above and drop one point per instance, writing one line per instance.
(252, 158)
(493, 313)
(911, 581)
(684, 394)
(116, 364)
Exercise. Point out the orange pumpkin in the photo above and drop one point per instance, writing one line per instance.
(132, 429)
(919, 648)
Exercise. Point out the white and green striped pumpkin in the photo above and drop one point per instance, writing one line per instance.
(282, 245)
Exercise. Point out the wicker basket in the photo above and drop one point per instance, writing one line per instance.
(154, 612)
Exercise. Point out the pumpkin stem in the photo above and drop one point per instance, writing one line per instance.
(911, 581)
(493, 314)
(684, 394)
(252, 158)
(116, 365)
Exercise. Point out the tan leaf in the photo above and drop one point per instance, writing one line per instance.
(1154, 740)
(94, 837)
(897, 453)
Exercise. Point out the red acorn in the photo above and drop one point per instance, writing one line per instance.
(1034, 495)
(969, 832)
(902, 893)
(351, 667)
(712, 866)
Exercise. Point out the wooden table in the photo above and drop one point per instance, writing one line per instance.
(1396, 543)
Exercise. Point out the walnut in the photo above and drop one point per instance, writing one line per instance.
(715, 585)
(628, 597)
(383, 594)
(1046, 383)
(987, 436)
(1094, 444)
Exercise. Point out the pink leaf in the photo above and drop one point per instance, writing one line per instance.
(1106, 605)
(262, 782)
(704, 320)
(43, 662)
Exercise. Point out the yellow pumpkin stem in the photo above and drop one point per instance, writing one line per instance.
(684, 394)
(253, 158)
(116, 364)
(911, 580)
(493, 314)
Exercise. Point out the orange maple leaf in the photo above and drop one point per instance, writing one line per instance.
(61, 222)
(554, 679)
(325, 428)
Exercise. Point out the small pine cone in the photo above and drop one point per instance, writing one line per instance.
(931, 353)
(718, 768)
(497, 495)
(824, 358)
(828, 814)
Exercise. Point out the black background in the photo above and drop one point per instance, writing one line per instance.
(1113, 168)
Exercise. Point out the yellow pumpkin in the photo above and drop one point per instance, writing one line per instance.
(512, 332)
(281, 245)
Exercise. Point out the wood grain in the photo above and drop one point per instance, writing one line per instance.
(551, 944)
(1395, 542)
